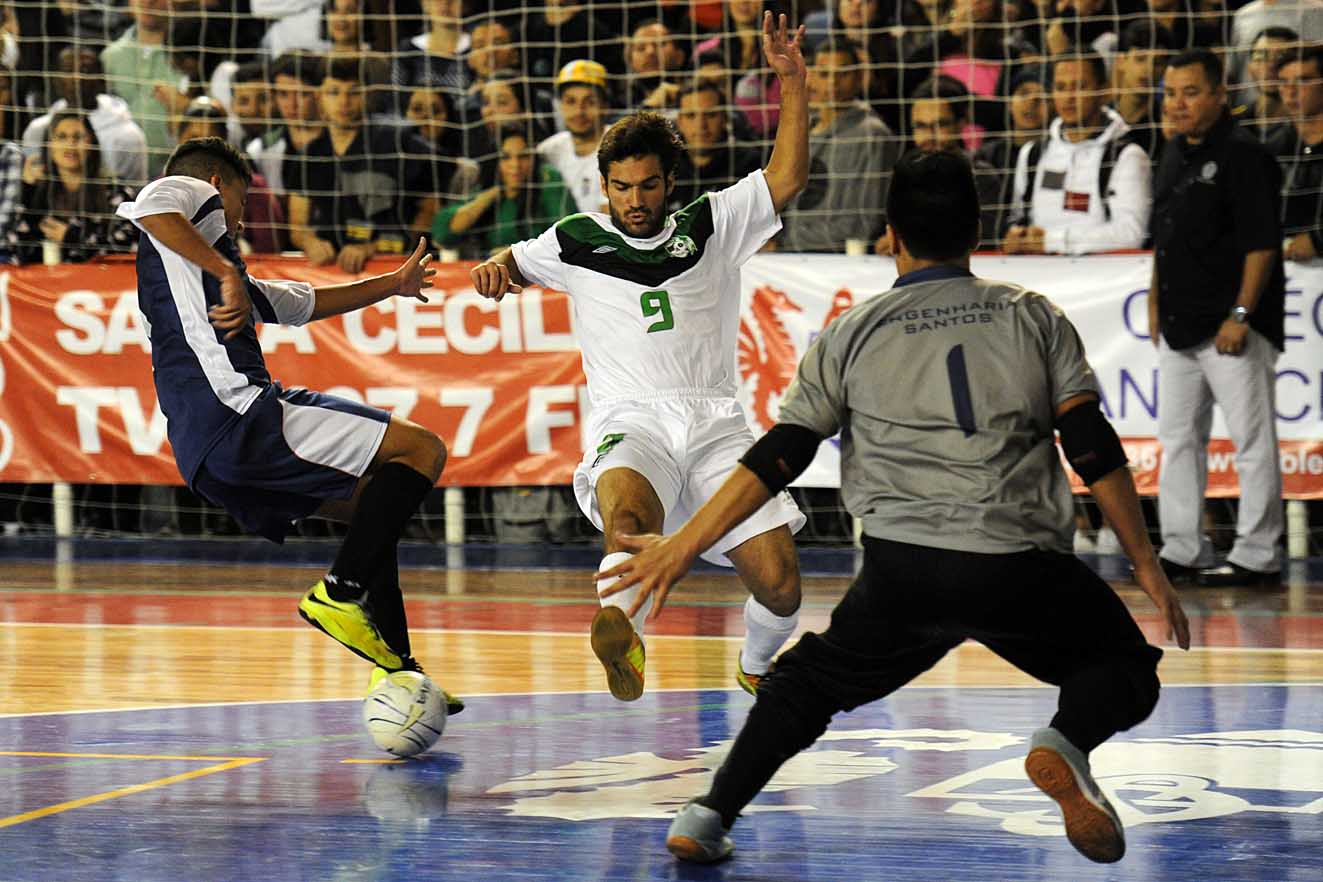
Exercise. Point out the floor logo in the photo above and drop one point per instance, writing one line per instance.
(1149, 780)
(645, 785)
(1159, 781)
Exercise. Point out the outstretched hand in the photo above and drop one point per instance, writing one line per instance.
(783, 52)
(414, 274)
(659, 563)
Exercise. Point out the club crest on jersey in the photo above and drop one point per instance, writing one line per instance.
(680, 246)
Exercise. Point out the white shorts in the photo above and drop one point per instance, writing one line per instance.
(685, 448)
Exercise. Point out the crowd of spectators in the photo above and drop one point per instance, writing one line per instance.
(371, 123)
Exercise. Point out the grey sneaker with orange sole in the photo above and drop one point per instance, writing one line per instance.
(1061, 770)
(698, 836)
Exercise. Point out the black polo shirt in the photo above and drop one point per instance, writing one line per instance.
(1213, 203)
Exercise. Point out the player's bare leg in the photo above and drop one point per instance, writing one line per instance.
(628, 504)
(769, 568)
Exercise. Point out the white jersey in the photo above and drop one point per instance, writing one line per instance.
(657, 317)
(582, 177)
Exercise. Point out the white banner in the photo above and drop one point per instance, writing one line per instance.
(788, 299)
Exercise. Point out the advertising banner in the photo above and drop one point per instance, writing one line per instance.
(503, 383)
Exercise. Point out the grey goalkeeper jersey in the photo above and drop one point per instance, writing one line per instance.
(945, 391)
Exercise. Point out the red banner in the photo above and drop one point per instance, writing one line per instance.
(502, 383)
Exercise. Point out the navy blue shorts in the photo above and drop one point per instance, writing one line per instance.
(291, 451)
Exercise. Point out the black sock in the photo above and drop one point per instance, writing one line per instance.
(388, 605)
(771, 735)
(387, 503)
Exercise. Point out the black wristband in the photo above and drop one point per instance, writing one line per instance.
(781, 455)
(1090, 442)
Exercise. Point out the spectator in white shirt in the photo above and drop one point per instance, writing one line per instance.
(82, 86)
(296, 24)
(1084, 188)
(581, 92)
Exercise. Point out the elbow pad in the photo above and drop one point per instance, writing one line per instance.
(1090, 442)
(781, 455)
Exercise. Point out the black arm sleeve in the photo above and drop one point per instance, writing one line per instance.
(1090, 442)
(781, 455)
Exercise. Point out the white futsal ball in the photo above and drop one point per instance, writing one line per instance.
(405, 713)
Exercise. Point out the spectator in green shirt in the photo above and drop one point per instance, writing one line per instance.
(138, 69)
(521, 199)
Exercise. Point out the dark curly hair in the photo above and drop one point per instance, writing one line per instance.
(641, 134)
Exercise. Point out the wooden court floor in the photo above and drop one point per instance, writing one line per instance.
(174, 719)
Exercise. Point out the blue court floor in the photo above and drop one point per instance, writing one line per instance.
(1223, 782)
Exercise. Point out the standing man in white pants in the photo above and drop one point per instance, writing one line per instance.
(1216, 307)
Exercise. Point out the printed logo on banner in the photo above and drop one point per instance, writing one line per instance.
(1149, 780)
(767, 354)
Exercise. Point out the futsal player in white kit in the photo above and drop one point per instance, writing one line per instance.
(656, 305)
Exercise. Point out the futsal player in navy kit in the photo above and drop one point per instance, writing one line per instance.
(267, 454)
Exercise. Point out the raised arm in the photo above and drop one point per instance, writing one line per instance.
(787, 170)
(178, 234)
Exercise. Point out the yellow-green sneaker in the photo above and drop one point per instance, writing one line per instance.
(749, 682)
(454, 704)
(349, 624)
(618, 647)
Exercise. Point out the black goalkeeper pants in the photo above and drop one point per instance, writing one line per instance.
(1046, 613)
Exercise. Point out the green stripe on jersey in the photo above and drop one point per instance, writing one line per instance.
(584, 243)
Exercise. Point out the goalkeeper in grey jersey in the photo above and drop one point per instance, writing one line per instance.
(948, 391)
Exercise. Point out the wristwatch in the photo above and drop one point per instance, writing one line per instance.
(1239, 314)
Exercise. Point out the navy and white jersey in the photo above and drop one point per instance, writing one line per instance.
(203, 383)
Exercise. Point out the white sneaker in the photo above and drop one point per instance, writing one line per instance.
(1107, 542)
(697, 835)
(1083, 544)
(1061, 770)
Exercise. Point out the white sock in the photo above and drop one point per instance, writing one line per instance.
(764, 633)
(625, 599)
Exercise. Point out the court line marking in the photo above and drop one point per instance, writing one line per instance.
(1289, 650)
(126, 756)
(1281, 684)
(233, 763)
